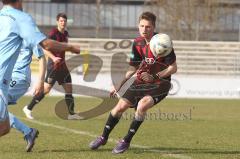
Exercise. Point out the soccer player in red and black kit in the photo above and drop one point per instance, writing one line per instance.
(150, 87)
(56, 71)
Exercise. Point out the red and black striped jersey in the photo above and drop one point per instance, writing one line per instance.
(142, 56)
(55, 34)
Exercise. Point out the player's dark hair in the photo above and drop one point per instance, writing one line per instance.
(148, 16)
(63, 15)
(9, 1)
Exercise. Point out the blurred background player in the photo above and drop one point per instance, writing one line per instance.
(56, 72)
(145, 65)
(13, 31)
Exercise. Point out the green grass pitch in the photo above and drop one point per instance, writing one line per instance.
(175, 128)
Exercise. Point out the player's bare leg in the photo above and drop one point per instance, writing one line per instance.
(143, 105)
(4, 118)
(112, 121)
(4, 127)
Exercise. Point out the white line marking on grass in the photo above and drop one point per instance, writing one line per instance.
(145, 148)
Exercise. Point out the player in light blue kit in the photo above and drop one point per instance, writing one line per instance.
(20, 82)
(15, 27)
(21, 75)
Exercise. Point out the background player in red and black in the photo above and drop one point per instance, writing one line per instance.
(151, 85)
(57, 71)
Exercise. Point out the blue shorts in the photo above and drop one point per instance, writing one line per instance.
(17, 89)
(3, 107)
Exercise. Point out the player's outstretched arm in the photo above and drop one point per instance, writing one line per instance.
(55, 46)
(171, 69)
(39, 88)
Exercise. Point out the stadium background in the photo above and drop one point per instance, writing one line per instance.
(205, 34)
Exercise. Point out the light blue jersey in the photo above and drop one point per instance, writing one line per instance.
(21, 75)
(15, 26)
(21, 69)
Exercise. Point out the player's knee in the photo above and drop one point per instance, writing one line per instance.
(4, 131)
(146, 101)
(144, 104)
(120, 108)
(4, 127)
(47, 90)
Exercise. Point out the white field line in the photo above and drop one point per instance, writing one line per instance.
(85, 133)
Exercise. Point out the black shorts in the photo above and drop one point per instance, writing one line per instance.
(62, 76)
(137, 91)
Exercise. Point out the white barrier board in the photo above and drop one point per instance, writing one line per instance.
(183, 86)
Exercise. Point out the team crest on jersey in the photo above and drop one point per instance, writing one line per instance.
(149, 60)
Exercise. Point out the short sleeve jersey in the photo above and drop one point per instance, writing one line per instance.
(54, 34)
(22, 69)
(15, 26)
(142, 56)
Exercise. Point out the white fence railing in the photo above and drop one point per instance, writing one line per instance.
(193, 57)
(205, 69)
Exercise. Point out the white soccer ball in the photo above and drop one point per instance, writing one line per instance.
(161, 45)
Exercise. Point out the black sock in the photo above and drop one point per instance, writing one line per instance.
(35, 100)
(111, 122)
(132, 130)
(70, 103)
